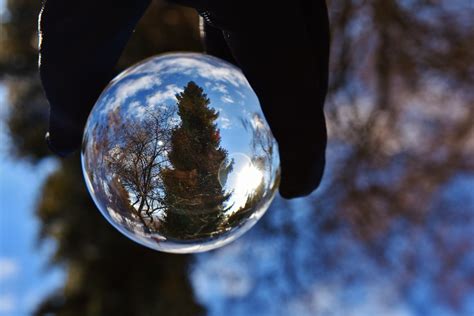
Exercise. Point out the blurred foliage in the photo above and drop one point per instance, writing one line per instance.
(400, 114)
(107, 273)
(18, 41)
(401, 100)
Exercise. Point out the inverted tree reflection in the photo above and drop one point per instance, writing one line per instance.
(193, 197)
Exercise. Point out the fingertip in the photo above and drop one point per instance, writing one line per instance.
(300, 178)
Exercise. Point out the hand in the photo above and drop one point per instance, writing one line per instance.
(283, 51)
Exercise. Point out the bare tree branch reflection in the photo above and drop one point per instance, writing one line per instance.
(138, 160)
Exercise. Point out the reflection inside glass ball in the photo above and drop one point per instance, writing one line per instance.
(177, 154)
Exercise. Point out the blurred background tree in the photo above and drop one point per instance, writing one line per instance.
(393, 206)
(106, 274)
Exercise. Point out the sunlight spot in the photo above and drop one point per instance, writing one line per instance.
(244, 179)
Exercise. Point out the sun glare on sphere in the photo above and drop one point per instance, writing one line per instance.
(249, 178)
(244, 180)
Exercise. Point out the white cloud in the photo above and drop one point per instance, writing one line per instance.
(227, 99)
(8, 268)
(154, 101)
(224, 122)
(7, 303)
(168, 93)
(189, 64)
(220, 88)
(241, 94)
(129, 88)
(137, 109)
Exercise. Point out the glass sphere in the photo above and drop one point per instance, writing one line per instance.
(177, 154)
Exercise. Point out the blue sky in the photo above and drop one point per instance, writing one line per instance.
(25, 276)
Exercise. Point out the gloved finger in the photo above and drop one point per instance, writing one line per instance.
(283, 52)
(214, 42)
(80, 44)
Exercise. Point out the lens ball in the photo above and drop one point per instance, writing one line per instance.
(177, 154)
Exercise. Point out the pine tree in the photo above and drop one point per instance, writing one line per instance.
(194, 198)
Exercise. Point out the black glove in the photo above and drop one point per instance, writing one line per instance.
(282, 50)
